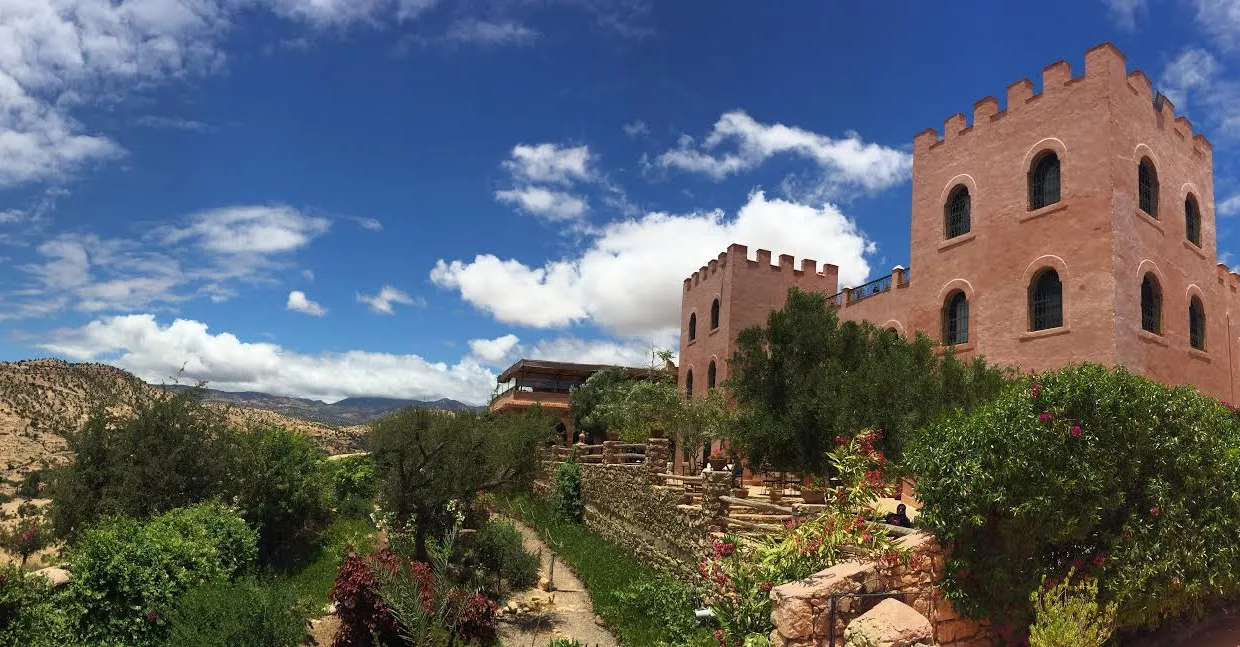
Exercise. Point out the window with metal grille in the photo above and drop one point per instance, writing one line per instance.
(710, 375)
(693, 326)
(1196, 324)
(1192, 221)
(1044, 182)
(1147, 187)
(714, 315)
(957, 212)
(1046, 301)
(689, 383)
(1151, 305)
(956, 319)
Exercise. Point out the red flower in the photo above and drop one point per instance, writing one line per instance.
(1045, 416)
(1155, 511)
(152, 616)
(1035, 390)
(1076, 431)
(1100, 559)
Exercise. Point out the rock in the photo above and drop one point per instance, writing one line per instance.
(890, 623)
(545, 584)
(794, 619)
(57, 576)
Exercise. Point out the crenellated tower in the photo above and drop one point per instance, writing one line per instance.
(1073, 222)
(730, 294)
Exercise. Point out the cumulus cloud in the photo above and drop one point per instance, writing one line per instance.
(494, 351)
(629, 278)
(846, 164)
(1228, 207)
(298, 302)
(1221, 20)
(636, 128)
(1196, 83)
(249, 229)
(550, 163)
(154, 352)
(545, 203)
(381, 303)
(1124, 13)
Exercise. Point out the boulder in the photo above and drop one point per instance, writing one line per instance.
(890, 623)
(57, 576)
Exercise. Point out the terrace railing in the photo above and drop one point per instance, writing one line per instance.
(866, 290)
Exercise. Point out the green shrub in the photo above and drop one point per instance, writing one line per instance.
(664, 603)
(29, 612)
(281, 487)
(172, 452)
(565, 642)
(127, 574)
(568, 501)
(1099, 469)
(1067, 614)
(245, 613)
(501, 551)
(29, 487)
(353, 484)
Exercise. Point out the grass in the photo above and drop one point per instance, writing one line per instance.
(312, 583)
(640, 606)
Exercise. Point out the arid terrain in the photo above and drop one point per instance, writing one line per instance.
(42, 399)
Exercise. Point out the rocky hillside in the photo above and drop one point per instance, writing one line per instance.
(345, 413)
(42, 399)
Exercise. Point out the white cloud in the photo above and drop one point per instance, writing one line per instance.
(545, 203)
(636, 128)
(1124, 13)
(630, 277)
(494, 351)
(592, 351)
(1221, 20)
(847, 163)
(1195, 82)
(369, 224)
(381, 303)
(154, 352)
(171, 123)
(550, 163)
(1228, 207)
(249, 229)
(298, 302)
(487, 33)
(307, 274)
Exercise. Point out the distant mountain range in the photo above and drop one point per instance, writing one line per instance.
(345, 413)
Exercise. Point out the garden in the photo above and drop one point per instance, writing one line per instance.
(1079, 507)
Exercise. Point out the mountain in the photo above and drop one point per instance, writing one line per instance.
(345, 413)
(43, 399)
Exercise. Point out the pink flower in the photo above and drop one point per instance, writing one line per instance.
(1035, 390)
(1155, 511)
(1045, 416)
(1100, 559)
(1076, 431)
(152, 616)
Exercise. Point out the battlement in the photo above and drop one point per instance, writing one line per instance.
(1104, 62)
(738, 256)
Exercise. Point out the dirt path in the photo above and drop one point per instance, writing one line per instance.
(570, 613)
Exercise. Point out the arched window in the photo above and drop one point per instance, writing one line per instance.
(1046, 301)
(1147, 187)
(1196, 324)
(956, 319)
(1192, 220)
(689, 383)
(710, 375)
(714, 314)
(1044, 181)
(1151, 305)
(693, 326)
(956, 213)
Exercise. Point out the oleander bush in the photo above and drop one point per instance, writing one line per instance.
(1123, 479)
(569, 503)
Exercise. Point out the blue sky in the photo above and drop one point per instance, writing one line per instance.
(329, 198)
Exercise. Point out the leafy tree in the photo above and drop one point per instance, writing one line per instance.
(588, 396)
(635, 409)
(25, 539)
(281, 487)
(174, 451)
(704, 419)
(425, 459)
(806, 377)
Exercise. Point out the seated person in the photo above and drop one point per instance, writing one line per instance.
(899, 518)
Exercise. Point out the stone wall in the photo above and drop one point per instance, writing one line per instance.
(623, 506)
(801, 611)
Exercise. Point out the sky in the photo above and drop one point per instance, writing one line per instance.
(334, 198)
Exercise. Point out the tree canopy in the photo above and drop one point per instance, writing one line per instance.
(806, 378)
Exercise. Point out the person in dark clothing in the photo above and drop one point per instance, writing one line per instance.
(899, 518)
